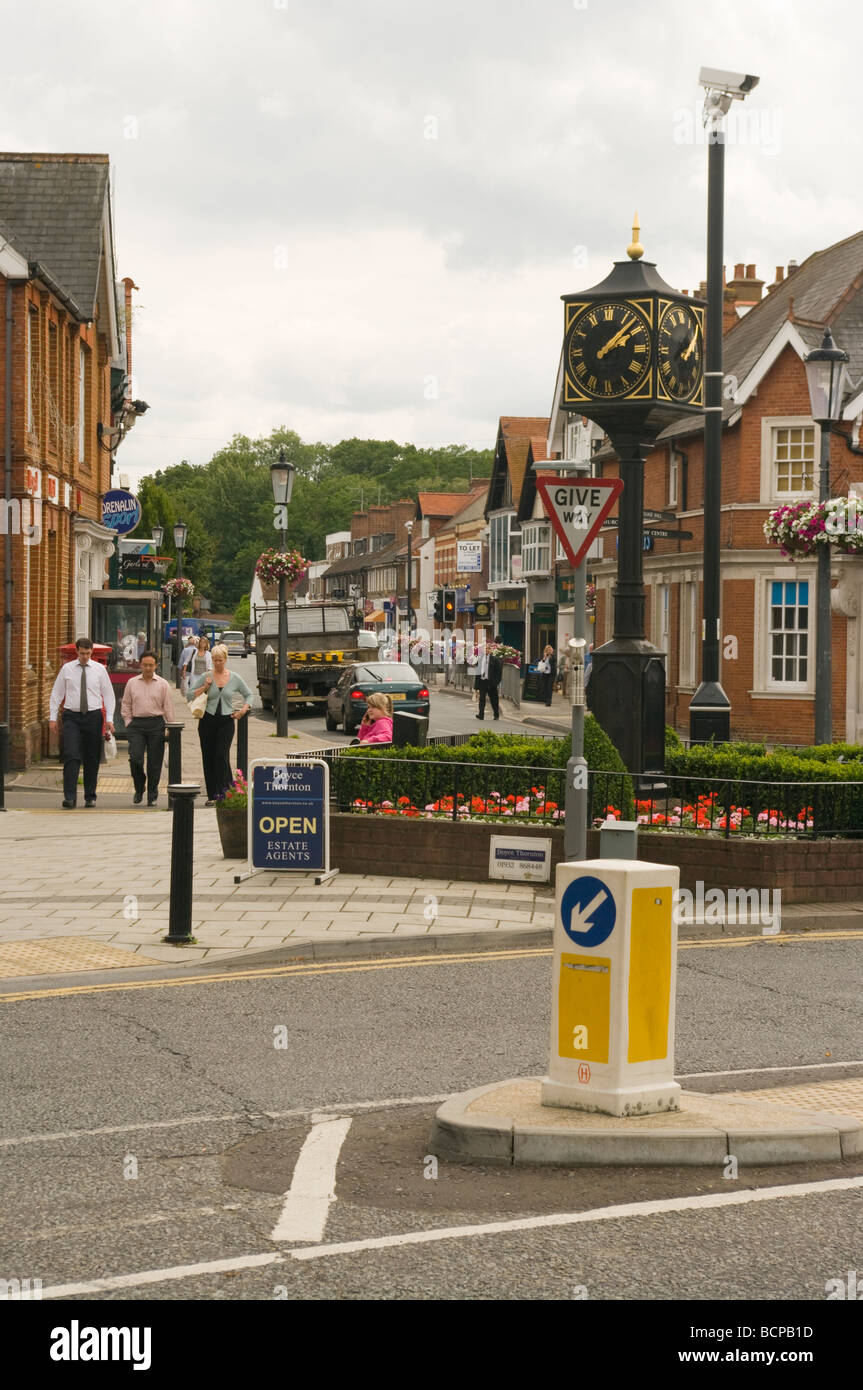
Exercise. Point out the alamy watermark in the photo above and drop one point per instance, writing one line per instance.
(761, 907)
(746, 124)
(21, 516)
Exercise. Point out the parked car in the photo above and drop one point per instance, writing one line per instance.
(235, 643)
(346, 702)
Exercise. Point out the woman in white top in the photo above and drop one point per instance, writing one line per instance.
(198, 661)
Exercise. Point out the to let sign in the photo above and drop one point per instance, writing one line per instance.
(289, 816)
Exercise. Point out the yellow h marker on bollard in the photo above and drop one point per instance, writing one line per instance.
(613, 991)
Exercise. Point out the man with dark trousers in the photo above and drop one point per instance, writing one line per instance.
(489, 678)
(148, 705)
(82, 687)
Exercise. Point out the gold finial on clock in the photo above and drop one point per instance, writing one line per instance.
(635, 250)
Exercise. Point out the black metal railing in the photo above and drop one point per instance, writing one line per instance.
(733, 806)
(504, 791)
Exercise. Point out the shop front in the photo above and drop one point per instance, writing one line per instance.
(510, 611)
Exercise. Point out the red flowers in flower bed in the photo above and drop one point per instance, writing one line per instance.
(534, 804)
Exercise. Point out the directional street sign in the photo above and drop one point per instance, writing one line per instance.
(577, 508)
(587, 911)
(650, 515)
(661, 532)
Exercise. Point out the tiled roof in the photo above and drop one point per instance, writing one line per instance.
(518, 433)
(54, 204)
(441, 503)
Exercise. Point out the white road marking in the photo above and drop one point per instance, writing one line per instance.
(652, 1208)
(313, 1187)
(160, 1276)
(757, 1071)
(533, 1223)
(299, 1114)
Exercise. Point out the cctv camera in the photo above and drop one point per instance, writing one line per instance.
(736, 84)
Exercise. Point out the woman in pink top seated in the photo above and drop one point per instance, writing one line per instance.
(377, 725)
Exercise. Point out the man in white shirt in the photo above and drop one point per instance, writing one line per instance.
(82, 687)
(188, 654)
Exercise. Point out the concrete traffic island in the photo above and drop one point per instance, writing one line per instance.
(507, 1123)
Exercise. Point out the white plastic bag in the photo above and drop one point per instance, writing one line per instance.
(110, 748)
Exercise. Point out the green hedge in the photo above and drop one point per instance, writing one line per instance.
(479, 767)
(727, 766)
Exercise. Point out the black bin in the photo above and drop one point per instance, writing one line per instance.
(410, 730)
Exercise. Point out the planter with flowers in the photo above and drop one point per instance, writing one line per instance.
(800, 527)
(179, 588)
(232, 811)
(273, 564)
(510, 656)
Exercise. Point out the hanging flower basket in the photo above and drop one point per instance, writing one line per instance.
(800, 527)
(179, 588)
(273, 564)
(590, 598)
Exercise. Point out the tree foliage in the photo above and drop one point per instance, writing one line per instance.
(228, 502)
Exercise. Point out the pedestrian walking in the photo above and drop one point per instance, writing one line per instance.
(547, 668)
(488, 680)
(147, 707)
(226, 694)
(200, 660)
(187, 656)
(84, 690)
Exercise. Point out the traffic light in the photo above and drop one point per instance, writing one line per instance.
(449, 607)
(438, 605)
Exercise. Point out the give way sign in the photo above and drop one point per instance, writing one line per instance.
(576, 508)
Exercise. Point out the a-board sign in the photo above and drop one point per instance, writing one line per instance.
(520, 857)
(289, 805)
(576, 508)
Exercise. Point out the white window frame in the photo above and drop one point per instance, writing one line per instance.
(499, 559)
(536, 548)
(82, 403)
(769, 685)
(690, 628)
(662, 617)
(30, 414)
(673, 478)
(770, 493)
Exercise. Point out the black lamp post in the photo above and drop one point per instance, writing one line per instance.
(158, 638)
(825, 377)
(282, 478)
(180, 531)
(710, 707)
(409, 526)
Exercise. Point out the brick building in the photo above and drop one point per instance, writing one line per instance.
(770, 455)
(64, 404)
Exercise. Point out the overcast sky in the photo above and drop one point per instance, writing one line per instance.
(356, 217)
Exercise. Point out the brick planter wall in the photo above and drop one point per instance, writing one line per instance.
(805, 870)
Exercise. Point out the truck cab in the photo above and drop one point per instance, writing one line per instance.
(323, 639)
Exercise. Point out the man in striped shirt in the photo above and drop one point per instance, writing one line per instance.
(148, 706)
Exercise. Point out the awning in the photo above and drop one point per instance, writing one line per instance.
(379, 616)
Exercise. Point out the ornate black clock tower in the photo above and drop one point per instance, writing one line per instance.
(633, 361)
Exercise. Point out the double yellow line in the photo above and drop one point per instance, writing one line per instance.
(353, 967)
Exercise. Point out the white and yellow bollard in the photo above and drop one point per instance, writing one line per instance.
(613, 991)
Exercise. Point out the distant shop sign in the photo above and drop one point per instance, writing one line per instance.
(121, 511)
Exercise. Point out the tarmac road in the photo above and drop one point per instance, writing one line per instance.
(160, 1128)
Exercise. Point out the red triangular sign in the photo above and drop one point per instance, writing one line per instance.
(576, 508)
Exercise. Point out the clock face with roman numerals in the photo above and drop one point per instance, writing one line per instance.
(608, 350)
(680, 350)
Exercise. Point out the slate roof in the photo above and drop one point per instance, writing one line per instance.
(825, 289)
(53, 205)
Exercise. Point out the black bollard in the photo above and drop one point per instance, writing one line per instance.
(243, 745)
(4, 747)
(182, 797)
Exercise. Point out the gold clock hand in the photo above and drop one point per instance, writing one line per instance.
(688, 353)
(620, 336)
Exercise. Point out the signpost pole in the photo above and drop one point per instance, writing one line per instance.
(575, 824)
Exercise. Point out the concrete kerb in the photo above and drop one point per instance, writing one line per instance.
(462, 1135)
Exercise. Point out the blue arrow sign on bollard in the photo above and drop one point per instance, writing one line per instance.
(587, 911)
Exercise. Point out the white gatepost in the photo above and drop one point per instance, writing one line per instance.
(613, 989)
